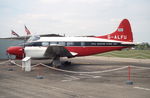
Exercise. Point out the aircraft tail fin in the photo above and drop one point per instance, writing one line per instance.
(123, 33)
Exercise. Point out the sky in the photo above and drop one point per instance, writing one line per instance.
(74, 17)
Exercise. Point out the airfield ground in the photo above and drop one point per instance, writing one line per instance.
(99, 82)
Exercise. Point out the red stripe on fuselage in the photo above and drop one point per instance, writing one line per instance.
(85, 51)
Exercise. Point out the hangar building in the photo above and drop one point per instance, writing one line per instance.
(5, 43)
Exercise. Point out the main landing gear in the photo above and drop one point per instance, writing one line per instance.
(56, 62)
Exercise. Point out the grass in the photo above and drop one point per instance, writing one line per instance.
(138, 54)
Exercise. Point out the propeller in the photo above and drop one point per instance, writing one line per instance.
(10, 60)
(8, 56)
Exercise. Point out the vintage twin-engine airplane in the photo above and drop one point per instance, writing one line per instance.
(56, 47)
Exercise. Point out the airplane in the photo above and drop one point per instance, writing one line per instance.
(56, 47)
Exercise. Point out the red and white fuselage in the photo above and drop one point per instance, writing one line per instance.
(78, 46)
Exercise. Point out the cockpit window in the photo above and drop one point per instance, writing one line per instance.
(28, 44)
(37, 44)
(33, 38)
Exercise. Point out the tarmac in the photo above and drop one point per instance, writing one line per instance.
(86, 77)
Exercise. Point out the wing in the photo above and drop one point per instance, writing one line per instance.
(58, 51)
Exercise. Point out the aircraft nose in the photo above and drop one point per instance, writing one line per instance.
(17, 50)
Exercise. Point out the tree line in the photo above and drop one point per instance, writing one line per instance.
(143, 46)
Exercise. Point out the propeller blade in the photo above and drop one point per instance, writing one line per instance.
(8, 56)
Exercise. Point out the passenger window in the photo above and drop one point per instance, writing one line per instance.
(99, 44)
(93, 44)
(61, 43)
(45, 43)
(103, 44)
(53, 43)
(70, 44)
(82, 43)
(77, 44)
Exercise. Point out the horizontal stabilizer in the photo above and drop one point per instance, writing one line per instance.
(74, 53)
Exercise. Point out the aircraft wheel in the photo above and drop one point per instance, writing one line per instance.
(67, 63)
(56, 63)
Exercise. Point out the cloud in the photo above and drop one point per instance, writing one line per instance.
(74, 17)
(50, 1)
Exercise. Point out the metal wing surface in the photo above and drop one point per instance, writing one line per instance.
(58, 51)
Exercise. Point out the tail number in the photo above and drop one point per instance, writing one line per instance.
(117, 37)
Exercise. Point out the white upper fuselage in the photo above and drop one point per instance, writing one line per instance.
(74, 39)
(77, 39)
